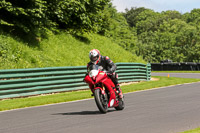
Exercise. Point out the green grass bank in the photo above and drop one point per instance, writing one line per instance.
(59, 50)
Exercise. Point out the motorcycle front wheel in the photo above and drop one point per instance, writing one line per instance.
(101, 101)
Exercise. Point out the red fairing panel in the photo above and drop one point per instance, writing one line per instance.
(109, 84)
(88, 80)
(100, 77)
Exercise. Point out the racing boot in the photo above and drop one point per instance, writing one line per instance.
(119, 91)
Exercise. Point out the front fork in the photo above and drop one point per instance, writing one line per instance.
(104, 94)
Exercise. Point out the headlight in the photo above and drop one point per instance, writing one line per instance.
(93, 73)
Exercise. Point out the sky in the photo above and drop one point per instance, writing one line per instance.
(182, 6)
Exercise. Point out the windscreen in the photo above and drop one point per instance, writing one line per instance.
(94, 67)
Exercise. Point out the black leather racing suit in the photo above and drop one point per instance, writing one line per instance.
(109, 66)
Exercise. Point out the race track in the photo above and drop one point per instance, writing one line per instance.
(163, 110)
(180, 75)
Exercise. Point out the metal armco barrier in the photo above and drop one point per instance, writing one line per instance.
(187, 66)
(27, 82)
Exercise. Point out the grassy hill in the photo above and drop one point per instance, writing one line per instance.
(59, 50)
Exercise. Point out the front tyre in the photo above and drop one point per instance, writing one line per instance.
(101, 101)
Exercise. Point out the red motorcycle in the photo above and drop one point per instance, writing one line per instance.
(103, 88)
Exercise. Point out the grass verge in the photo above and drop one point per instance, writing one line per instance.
(197, 130)
(176, 71)
(163, 81)
(78, 95)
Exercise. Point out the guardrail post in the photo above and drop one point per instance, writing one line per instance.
(148, 72)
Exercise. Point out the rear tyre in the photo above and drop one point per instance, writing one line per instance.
(121, 104)
(101, 101)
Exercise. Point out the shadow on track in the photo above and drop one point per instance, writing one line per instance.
(82, 113)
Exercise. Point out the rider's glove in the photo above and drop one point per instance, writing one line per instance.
(109, 72)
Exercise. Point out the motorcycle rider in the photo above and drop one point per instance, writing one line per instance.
(107, 64)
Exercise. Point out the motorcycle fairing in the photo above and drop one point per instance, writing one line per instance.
(88, 80)
(101, 76)
(110, 85)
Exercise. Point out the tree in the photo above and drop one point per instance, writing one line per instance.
(27, 15)
(115, 27)
(168, 15)
(131, 15)
(192, 16)
(148, 20)
(167, 35)
(81, 15)
(33, 16)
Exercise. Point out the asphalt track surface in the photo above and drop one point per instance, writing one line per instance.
(181, 75)
(163, 110)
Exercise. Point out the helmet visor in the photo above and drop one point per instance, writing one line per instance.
(94, 58)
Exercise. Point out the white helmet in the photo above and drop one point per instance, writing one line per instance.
(94, 56)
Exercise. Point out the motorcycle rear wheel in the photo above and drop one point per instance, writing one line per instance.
(101, 101)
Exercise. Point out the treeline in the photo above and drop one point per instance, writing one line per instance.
(166, 35)
(152, 35)
(36, 17)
